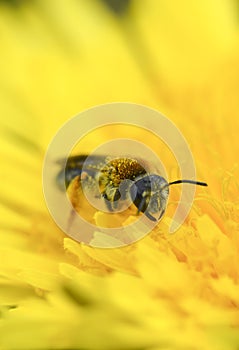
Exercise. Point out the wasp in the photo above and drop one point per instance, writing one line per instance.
(119, 179)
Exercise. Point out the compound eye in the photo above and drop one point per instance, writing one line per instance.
(143, 185)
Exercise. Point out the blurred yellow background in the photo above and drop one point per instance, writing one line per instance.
(59, 58)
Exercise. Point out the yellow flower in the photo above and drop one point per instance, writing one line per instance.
(166, 291)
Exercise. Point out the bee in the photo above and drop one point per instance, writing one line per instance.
(119, 179)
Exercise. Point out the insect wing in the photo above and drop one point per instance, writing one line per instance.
(74, 167)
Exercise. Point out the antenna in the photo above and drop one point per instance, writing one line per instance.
(188, 182)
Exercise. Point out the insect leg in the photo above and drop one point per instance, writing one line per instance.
(141, 205)
(107, 202)
(112, 196)
(161, 214)
(152, 218)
